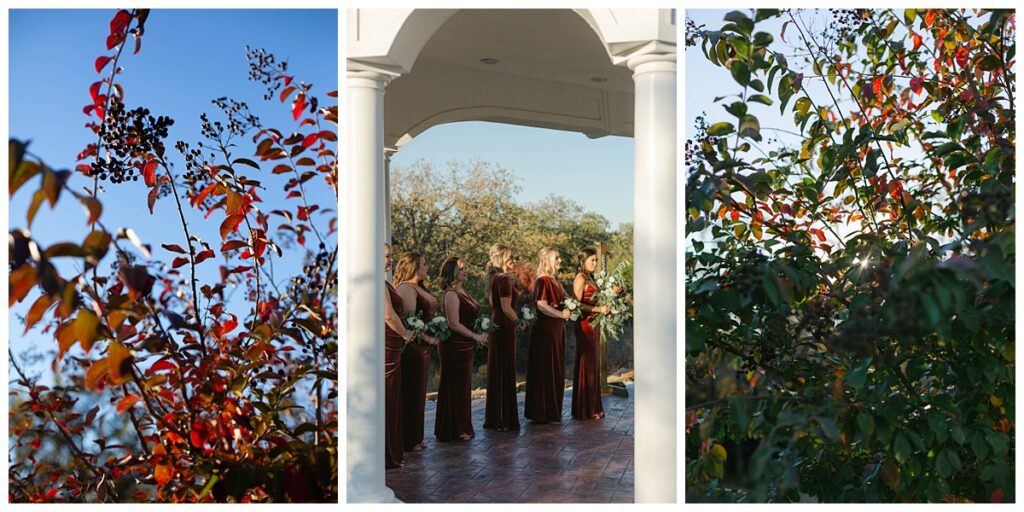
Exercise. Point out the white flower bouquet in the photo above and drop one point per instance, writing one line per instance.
(612, 293)
(574, 307)
(526, 316)
(415, 325)
(438, 328)
(484, 324)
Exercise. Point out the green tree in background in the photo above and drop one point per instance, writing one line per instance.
(850, 296)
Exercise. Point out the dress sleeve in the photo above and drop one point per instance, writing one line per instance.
(503, 285)
(546, 290)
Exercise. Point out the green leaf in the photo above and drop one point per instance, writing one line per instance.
(901, 447)
(750, 128)
(866, 424)
(763, 14)
(937, 424)
(761, 98)
(958, 435)
(740, 72)
(737, 108)
(942, 465)
(743, 23)
(720, 129)
(740, 416)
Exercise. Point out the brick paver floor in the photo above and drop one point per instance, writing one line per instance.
(571, 462)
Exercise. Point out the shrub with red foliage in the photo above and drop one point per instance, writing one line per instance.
(179, 392)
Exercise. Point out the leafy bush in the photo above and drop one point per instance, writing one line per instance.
(850, 295)
(167, 388)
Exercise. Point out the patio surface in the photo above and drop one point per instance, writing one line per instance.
(571, 462)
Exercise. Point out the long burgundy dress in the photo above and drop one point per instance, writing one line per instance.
(545, 371)
(502, 411)
(393, 386)
(415, 363)
(586, 387)
(454, 414)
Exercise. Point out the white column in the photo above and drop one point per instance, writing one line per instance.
(654, 137)
(364, 179)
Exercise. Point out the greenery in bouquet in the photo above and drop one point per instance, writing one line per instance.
(614, 294)
(574, 308)
(415, 325)
(438, 328)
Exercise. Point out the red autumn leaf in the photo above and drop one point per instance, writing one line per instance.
(101, 62)
(309, 140)
(94, 92)
(917, 40)
(160, 366)
(114, 40)
(997, 495)
(298, 106)
(230, 225)
(818, 233)
(199, 198)
(231, 245)
(179, 261)
(229, 325)
(174, 248)
(915, 84)
(961, 57)
(51, 493)
(734, 214)
(203, 256)
(149, 172)
(878, 86)
(162, 473)
(119, 23)
(126, 403)
(303, 213)
(929, 18)
(84, 168)
(287, 80)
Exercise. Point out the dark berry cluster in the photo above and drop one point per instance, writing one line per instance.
(693, 32)
(195, 175)
(317, 274)
(240, 119)
(265, 69)
(818, 318)
(128, 135)
(845, 21)
(699, 144)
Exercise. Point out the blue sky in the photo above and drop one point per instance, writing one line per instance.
(596, 173)
(188, 58)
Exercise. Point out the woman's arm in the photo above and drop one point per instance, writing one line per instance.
(579, 285)
(408, 294)
(547, 309)
(391, 318)
(506, 307)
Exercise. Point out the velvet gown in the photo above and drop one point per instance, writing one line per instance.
(586, 387)
(502, 411)
(393, 343)
(415, 366)
(545, 371)
(454, 414)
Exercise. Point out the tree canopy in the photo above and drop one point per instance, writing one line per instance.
(850, 287)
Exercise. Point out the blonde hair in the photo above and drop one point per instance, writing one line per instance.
(544, 266)
(406, 267)
(499, 253)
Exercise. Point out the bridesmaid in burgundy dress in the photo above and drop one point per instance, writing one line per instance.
(454, 415)
(395, 337)
(545, 372)
(502, 413)
(586, 387)
(410, 273)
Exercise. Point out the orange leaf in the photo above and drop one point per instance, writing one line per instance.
(917, 40)
(929, 18)
(35, 313)
(119, 363)
(231, 245)
(126, 403)
(85, 326)
(149, 172)
(204, 255)
(94, 375)
(298, 106)
(162, 473)
(229, 225)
